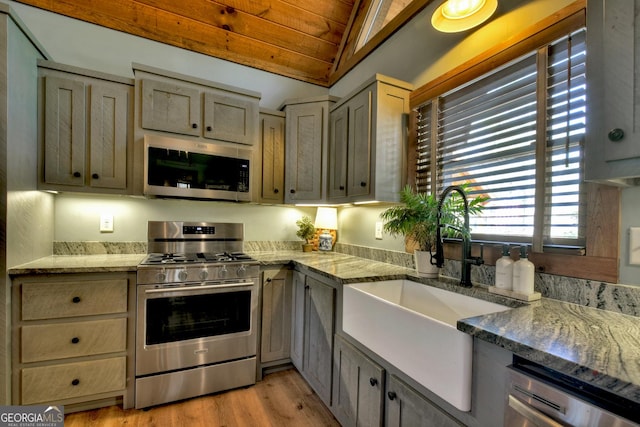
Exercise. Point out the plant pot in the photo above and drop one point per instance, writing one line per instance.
(307, 247)
(424, 268)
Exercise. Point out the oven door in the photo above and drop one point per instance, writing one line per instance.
(182, 326)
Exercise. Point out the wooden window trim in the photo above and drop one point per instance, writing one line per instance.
(602, 202)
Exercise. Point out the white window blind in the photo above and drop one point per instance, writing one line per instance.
(486, 133)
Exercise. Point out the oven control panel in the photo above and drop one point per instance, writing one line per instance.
(148, 275)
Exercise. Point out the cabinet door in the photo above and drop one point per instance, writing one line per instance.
(297, 319)
(276, 315)
(64, 131)
(230, 119)
(358, 385)
(359, 144)
(272, 133)
(109, 132)
(407, 408)
(170, 107)
(304, 153)
(318, 343)
(620, 41)
(338, 141)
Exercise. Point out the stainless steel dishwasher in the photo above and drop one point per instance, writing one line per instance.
(539, 396)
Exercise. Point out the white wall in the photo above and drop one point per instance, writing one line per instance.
(77, 217)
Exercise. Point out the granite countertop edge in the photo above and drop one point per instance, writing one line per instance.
(576, 340)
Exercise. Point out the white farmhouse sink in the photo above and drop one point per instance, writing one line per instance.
(413, 327)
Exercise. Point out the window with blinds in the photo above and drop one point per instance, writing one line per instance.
(515, 135)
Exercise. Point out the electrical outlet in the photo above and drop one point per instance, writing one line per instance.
(106, 223)
(378, 234)
(634, 246)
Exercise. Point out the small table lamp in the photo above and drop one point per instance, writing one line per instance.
(326, 219)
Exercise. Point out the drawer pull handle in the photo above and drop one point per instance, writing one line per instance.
(75, 340)
(76, 300)
(75, 382)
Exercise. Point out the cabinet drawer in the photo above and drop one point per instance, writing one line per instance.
(58, 382)
(69, 299)
(74, 339)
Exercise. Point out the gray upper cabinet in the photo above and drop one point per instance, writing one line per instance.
(612, 150)
(307, 134)
(271, 161)
(86, 130)
(170, 107)
(368, 145)
(186, 105)
(358, 386)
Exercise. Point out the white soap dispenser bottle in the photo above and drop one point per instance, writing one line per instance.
(504, 270)
(523, 274)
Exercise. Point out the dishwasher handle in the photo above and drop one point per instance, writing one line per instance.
(531, 414)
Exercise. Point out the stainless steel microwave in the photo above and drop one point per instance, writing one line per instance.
(175, 167)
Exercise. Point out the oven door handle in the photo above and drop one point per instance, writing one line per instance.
(198, 288)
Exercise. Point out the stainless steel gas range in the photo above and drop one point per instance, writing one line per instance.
(197, 301)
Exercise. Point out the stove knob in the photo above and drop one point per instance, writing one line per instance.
(204, 274)
(161, 277)
(242, 271)
(222, 273)
(182, 275)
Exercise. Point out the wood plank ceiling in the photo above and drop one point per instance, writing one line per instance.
(295, 38)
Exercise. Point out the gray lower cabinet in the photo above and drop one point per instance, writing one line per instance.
(312, 332)
(358, 386)
(275, 343)
(73, 340)
(405, 407)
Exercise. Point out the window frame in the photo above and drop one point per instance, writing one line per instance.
(600, 259)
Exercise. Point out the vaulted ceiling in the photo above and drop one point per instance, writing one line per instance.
(308, 40)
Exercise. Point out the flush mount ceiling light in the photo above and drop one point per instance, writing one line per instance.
(459, 15)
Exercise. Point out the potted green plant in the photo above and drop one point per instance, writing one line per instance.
(306, 231)
(416, 218)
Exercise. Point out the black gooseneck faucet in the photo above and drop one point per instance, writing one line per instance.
(467, 260)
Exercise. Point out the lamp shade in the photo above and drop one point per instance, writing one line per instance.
(327, 218)
(459, 15)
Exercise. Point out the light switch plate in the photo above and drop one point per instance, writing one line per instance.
(378, 234)
(106, 223)
(634, 245)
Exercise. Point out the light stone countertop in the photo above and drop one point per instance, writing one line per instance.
(597, 346)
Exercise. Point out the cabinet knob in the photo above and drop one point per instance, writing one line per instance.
(75, 300)
(194, 125)
(209, 128)
(75, 340)
(95, 176)
(616, 135)
(276, 191)
(268, 279)
(373, 382)
(342, 187)
(392, 395)
(77, 174)
(75, 381)
(292, 191)
(363, 184)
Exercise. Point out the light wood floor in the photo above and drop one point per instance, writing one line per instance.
(281, 399)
